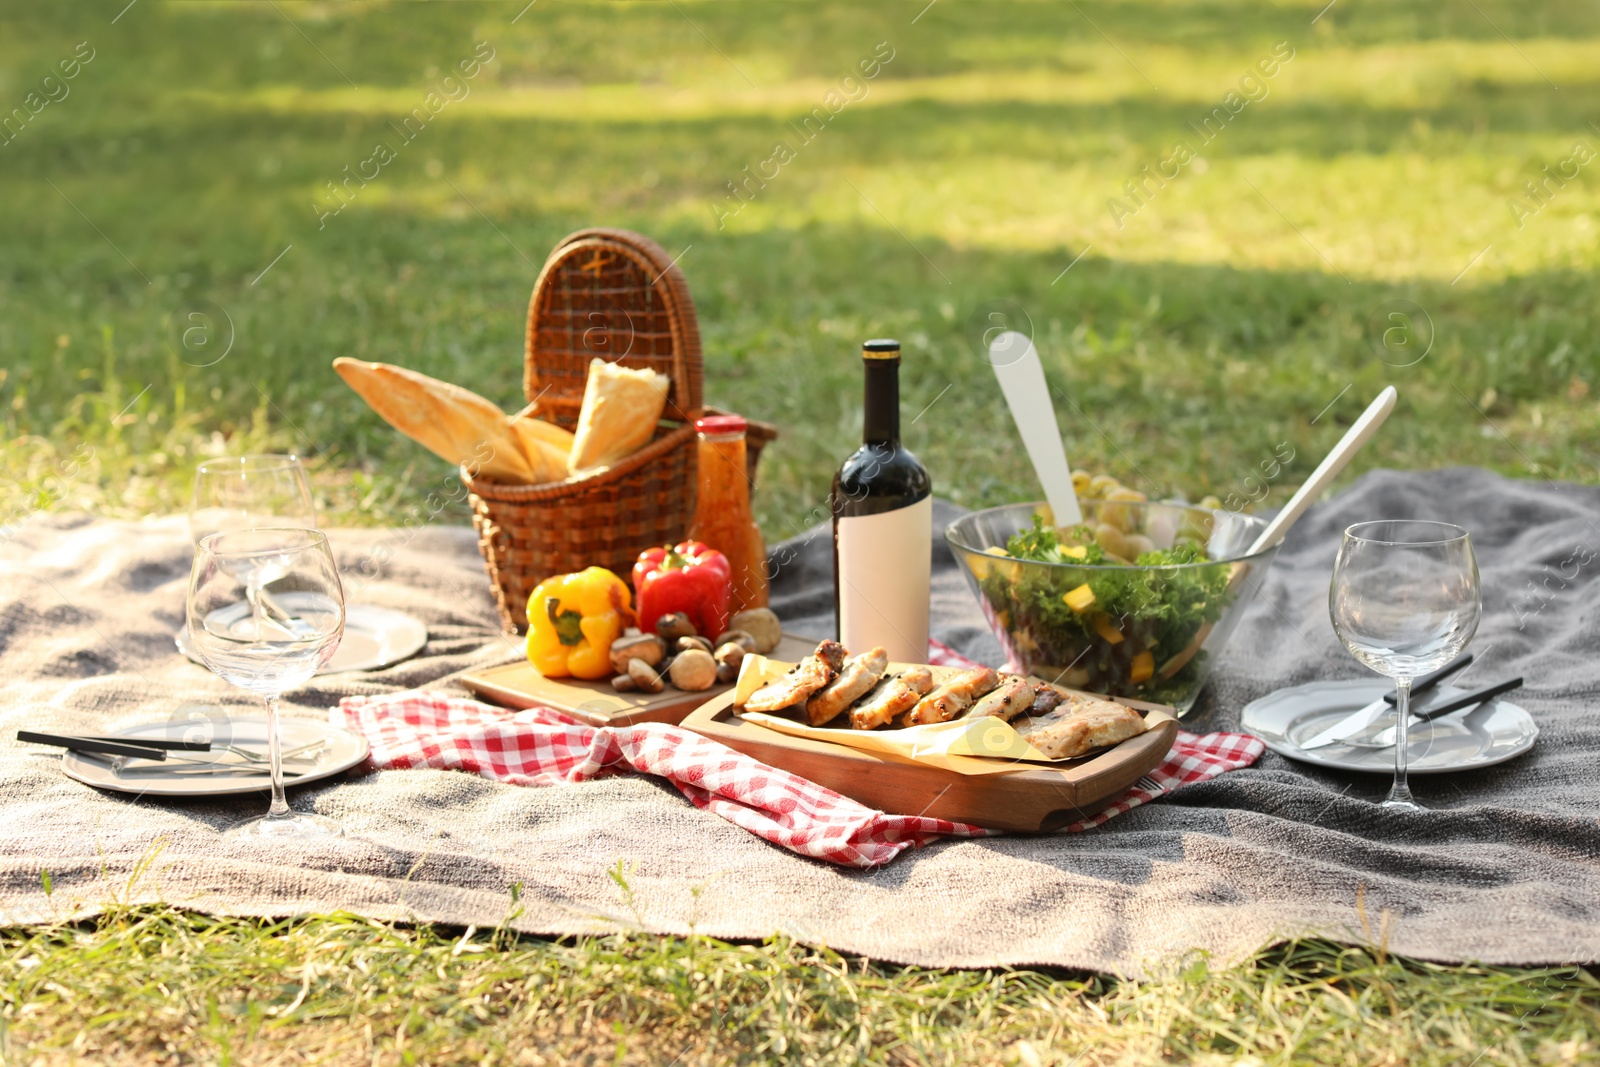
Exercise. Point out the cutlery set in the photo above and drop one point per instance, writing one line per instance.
(1353, 729)
(161, 751)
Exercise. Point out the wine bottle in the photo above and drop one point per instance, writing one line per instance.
(882, 526)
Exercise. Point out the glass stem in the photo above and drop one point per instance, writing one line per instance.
(280, 806)
(1400, 792)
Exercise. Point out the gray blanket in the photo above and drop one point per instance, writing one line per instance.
(1505, 868)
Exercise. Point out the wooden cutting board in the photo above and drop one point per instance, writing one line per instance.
(518, 685)
(1033, 798)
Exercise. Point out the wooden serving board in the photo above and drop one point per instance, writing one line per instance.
(1032, 798)
(518, 685)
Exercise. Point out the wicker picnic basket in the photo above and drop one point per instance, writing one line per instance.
(618, 296)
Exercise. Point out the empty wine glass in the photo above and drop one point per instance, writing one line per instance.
(235, 573)
(1405, 601)
(250, 492)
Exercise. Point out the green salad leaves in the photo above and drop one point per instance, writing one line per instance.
(1126, 631)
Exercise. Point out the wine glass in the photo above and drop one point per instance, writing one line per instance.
(268, 652)
(249, 492)
(1405, 601)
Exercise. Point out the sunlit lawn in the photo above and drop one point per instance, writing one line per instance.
(1224, 316)
(1246, 302)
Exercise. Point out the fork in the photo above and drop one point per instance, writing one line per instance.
(261, 757)
(1149, 785)
(253, 760)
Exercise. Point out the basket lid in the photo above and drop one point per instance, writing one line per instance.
(613, 295)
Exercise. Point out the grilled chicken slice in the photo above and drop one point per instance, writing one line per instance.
(1079, 725)
(895, 696)
(1046, 698)
(1015, 696)
(808, 676)
(953, 697)
(833, 654)
(856, 679)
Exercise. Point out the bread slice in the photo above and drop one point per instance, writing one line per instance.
(621, 407)
(1081, 724)
(453, 423)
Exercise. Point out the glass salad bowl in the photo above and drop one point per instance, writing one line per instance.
(1138, 602)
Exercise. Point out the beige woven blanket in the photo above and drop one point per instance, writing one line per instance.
(1505, 869)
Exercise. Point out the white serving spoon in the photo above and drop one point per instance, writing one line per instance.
(1326, 471)
(1021, 376)
(1357, 435)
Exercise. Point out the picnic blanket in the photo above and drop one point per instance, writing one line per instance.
(1506, 868)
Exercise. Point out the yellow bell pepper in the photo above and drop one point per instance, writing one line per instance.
(1107, 630)
(572, 621)
(1080, 599)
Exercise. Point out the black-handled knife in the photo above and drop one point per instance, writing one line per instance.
(1386, 737)
(1466, 700)
(91, 744)
(156, 742)
(1433, 678)
(1353, 724)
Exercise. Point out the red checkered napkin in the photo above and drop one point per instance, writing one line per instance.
(544, 747)
(541, 746)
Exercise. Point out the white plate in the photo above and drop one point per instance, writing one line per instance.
(1488, 734)
(342, 751)
(373, 638)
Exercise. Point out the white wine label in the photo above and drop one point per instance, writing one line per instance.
(885, 565)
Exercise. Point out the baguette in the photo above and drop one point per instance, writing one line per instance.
(453, 423)
(546, 446)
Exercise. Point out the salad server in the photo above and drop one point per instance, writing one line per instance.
(1021, 376)
(1359, 433)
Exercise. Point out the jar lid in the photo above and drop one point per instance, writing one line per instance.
(717, 424)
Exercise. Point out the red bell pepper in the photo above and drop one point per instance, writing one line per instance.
(688, 577)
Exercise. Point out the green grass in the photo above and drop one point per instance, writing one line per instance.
(1221, 319)
(161, 985)
(1243, 307)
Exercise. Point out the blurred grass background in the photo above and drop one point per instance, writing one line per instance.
(1244, 306)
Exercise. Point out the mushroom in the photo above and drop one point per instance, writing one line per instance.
(624, 683)
(726, 673)
(645, 677)
(647, 647)
(674, 625)
(694, 670)
(729, 654)
(686, 643)
(742, 638)
(761, 624)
